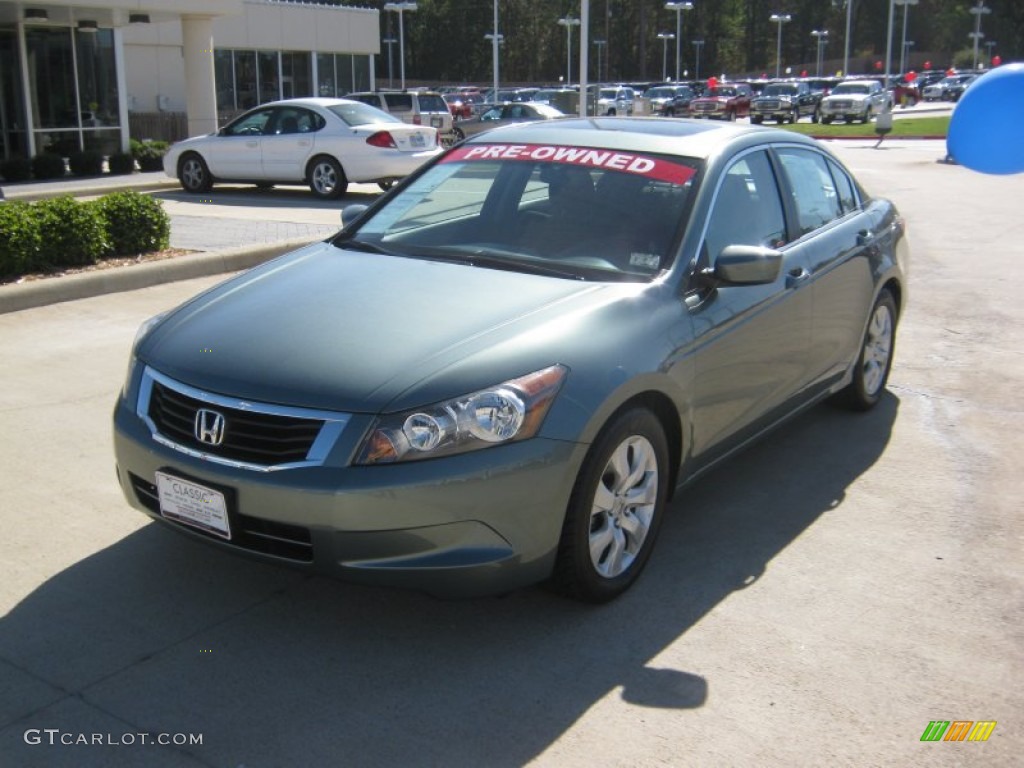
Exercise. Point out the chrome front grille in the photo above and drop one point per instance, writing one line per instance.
(257, 436)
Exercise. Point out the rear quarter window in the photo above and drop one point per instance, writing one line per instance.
(432, 103)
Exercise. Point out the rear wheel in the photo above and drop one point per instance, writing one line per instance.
(875, 359)
(615, 510)
(193, 174)
(794, 116)
(326, 178)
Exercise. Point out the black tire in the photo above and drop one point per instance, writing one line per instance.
(670, 112)
(814, 116)
(874, 361)
(385, 185)
(611, 112)
(756, 119)
(826, 121)
(193, 174)
(326, 178)
(731, 116)
(794, 116)
(615, 510)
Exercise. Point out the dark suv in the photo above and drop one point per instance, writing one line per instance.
(785, 102)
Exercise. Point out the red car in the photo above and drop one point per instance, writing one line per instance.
(458, 105)
(723, 102)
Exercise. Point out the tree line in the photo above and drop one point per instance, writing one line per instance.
(444, 39)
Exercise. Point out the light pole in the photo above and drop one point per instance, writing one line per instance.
(698, 44)
(903, 40)
(600, 44)
(401, 8)
(495, 40)
(979, 10)
(846, 40)
(780, 19)
(390, 41)
(679, 7)
(907, 45)
(568, 22)
(821, 35)
(665, 37)
(888, 45)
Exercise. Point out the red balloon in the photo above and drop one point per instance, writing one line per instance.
(997, 60)
(911, 76)
(950, 72)
(712, 82)
(927, 65)
(764, 75)
(878, 65)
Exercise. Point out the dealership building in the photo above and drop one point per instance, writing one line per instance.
(78, 74)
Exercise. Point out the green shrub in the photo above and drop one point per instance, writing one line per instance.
(47, 166)
(16, 169)
(73, 233)
(20, 238)
(87, 163)
(149, 154)
(121, 163)
(135, 223)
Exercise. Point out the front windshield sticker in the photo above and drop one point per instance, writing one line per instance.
(628, 162)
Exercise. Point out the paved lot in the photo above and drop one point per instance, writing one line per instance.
(816, 602)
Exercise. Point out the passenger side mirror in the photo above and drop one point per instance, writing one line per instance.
(748, 265)
(351, 213)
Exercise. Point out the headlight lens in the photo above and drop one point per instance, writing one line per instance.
(510, 411)
(140, 334)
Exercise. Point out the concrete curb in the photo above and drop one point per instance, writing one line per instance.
(97, 187)
(37, 293)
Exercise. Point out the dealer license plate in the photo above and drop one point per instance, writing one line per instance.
(193, 504)
(417, 140)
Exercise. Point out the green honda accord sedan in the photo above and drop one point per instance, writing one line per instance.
(500, 372)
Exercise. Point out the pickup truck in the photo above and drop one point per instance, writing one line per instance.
(785, 102)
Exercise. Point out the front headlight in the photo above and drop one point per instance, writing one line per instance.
(140, 334)
(513, 410)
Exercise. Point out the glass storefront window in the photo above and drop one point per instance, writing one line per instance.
(97, 79)
(361, 73)
(344, 65)
(51, 77)
(327, 85)
(224, 77)
(13, 140)
(296, 74)
(245, 79)
(269, 87)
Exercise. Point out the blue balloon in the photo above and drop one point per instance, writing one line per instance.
(986, 132)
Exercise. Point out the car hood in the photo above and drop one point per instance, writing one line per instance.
(367, 333)
(846, 97)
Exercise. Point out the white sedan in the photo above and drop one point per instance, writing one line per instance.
(325, 143)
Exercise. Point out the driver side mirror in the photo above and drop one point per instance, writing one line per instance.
(748, 265)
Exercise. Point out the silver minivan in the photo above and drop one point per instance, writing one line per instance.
(414, 107)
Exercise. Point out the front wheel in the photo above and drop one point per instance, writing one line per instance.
(193, 174)
(730, 116)
(756, 119)
(327, 179)
(794, 116)
(615, 509)
(874, 362)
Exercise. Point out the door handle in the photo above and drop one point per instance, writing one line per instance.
(796, 276)
(865, 236)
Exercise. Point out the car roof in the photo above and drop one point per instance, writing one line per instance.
(308, 101)
(687, 138)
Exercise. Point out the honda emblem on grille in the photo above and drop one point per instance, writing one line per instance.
(209, 427)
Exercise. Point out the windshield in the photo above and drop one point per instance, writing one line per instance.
(570, 212)
(721, 91)
(779, 90)
(842, 88)
(357, 113)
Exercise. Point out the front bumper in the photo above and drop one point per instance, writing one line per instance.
(483, 522)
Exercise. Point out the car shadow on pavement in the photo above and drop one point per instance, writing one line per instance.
(161, 634)
(247, 196)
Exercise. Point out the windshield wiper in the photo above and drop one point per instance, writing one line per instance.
(364, 246)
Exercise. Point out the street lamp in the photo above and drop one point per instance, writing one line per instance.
(665, 37)
(568, 22)
(401, 8)
(495, 40)
(979, 10)
(600, 44)
(903, 44)
(679, 7)
(780, 19)
(698, 44)
(822, 37)
(389, 41)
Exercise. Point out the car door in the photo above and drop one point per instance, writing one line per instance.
(236, 153)
(837, 238)
(288, 143)
(750, 340)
